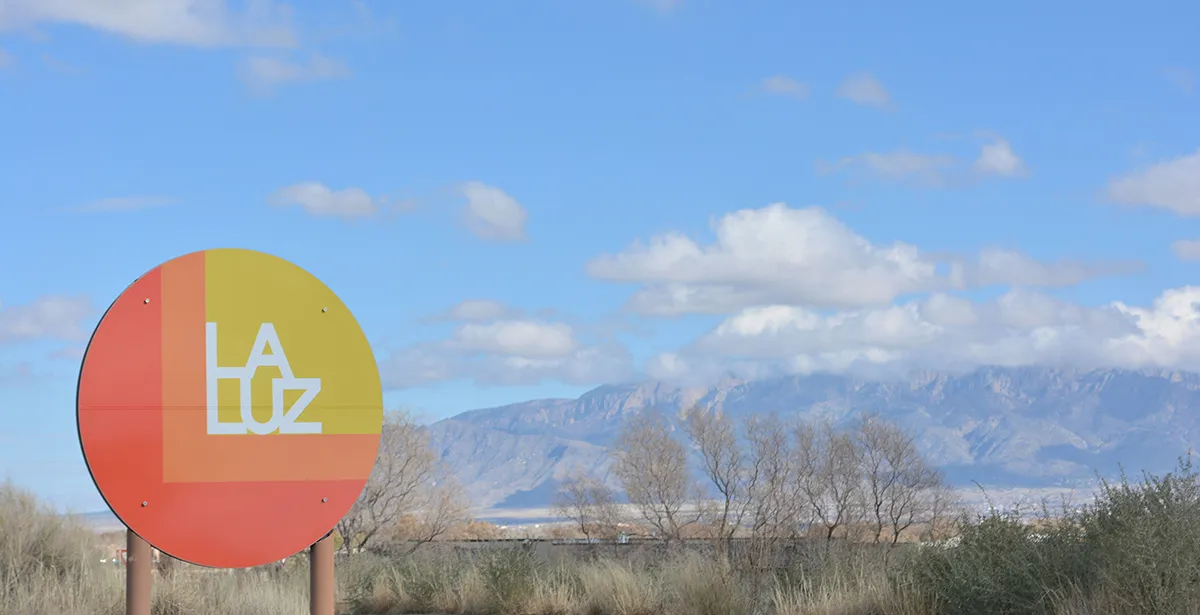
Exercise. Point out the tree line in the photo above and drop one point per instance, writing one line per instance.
(763, 478)
(770, 480)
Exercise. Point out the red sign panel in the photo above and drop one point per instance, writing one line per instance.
(229, 408)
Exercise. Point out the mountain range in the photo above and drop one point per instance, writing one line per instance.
(1028, 427)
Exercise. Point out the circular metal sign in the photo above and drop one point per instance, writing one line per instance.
(229, 408)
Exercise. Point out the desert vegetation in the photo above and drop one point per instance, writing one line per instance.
(740, 518)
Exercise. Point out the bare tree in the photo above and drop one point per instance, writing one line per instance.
(408, 479)
(773, 510)
(900, 489)
(913, 498)
(442, 507)
(652, 468)
(828, 474)
(876, 441)
(894, 475)
(590, 504)
(944, 507)
(715, 437)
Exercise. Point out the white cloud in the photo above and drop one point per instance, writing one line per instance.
(506, 351)
(50, 317)
(319, 200)
(475, 310)
(783, 85)
(996, 158)
(864, 89)
(1182, 78)
(945, 332)
(492, 214)
(1186, 249)
(1172, 184)
(780, 255)
(999, 267)
(126, 203)
(199, 23)
(522, 338)
(263, 75)
(762, 256)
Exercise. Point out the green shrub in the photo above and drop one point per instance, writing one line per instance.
(1143, 540)
(1134, 551)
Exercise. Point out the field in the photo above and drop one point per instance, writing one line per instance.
(1136, 551)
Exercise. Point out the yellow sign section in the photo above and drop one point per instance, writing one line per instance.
(270, 378)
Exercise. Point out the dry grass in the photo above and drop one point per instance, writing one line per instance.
(52, 565)
(611, 588)
(1136, 553)
(48, 563)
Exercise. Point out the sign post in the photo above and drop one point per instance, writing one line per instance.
(229, 411)
(137, 575)
(321, 582)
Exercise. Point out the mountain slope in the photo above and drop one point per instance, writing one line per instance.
(999, 426)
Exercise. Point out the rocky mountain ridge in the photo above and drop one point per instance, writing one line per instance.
(1008, 427)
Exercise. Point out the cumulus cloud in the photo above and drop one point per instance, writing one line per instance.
(51, 317)
(1000, 267)
(493, 346)
(492, 214)
(945, 332)
(782, 85)
(522, 338)
(996, 159)
(864, 89)
(198, 23)
(779, 255)
(1172, 184)
(263, 75)
(317, 199)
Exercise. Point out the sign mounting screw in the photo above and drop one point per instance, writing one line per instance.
(325, 309)
(145, 504)
(146, 300)
(323, 500)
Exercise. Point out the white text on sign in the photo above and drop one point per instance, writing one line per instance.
(282, 419)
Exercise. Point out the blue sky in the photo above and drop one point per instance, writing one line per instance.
(616, 189)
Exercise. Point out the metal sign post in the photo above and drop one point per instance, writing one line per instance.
(321, 582)
(137, 574)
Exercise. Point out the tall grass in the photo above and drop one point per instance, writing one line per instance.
(49, 563)
(684, 583)
(1136, 551)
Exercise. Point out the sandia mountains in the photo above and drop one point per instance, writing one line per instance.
(1007, 427)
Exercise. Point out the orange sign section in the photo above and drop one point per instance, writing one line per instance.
(229, 408)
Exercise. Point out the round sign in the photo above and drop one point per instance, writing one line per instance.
(229, 408)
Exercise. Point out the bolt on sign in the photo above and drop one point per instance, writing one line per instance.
(229, 408)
